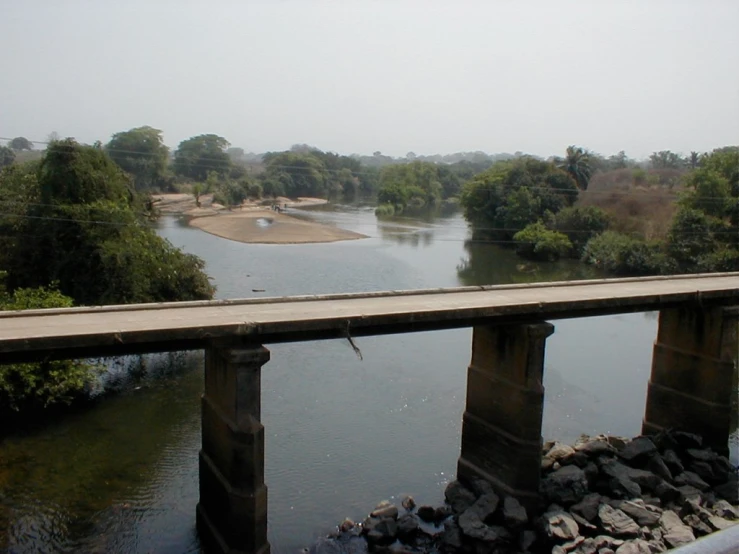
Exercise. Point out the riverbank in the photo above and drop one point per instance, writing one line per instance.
(604, 495)
(253, 222)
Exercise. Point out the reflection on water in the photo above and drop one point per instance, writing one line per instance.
(341, 434)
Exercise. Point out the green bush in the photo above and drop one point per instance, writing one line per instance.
(623, 255)
(580, 224)
(40, 385)
(385, 210)
(536, 242)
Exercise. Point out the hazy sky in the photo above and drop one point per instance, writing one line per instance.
(359, 76)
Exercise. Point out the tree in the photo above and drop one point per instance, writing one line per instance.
(666, 159)
(20, 143)
(536, 242)
(513, 194)
(694, 160)
(577, 164)
(141, 152)
(7, 156)
(416, 183)
(197, 156)
(75, 220)
(295, 173)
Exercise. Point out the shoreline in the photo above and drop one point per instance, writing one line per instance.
(253, 223)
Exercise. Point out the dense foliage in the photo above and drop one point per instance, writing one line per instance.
(197, 156)
(74, 219)
(141, 153)
(39, 385)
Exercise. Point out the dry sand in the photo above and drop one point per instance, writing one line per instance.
(253, 223)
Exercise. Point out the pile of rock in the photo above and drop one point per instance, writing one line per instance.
(603, 495)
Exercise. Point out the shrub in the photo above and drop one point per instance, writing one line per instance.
(385, 210)
(537, 242)
(580, 224)
(623, 255)
(40, 385)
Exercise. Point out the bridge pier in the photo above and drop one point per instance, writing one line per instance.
(501, 427)
(232, 512)
(694, 376)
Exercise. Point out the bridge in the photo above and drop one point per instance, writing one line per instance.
(692, 379)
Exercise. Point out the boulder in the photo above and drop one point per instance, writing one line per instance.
(565, 486)
(672, 461)
(596, 447)
(657, 466)
(385, 509)
(617, 523)
(691, 479)
(588, 506)
(719, 523)
(637, 510)
(560, 451)
(475, 528)
(514, 514)
(638, 450)
(452, 535)
(699, 527)
(558, 525)
(526, 539)
(458, 496)
(426, 513)
(408, 526)
(645, 479)
(674, 532)
(723, 509)
(729, 491)
(637, 546)
(687, 440)
(485, 506)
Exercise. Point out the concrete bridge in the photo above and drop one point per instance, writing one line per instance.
(693, 368)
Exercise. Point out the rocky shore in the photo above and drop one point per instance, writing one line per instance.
(602, 495)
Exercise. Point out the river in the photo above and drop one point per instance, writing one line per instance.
(341, 433)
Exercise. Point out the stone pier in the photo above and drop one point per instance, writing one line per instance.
(501, 428)
(232, 513)
(693, 381)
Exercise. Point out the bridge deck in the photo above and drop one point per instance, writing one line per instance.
(157, 327)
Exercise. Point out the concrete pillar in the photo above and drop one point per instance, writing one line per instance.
(232, 513)
(501, 427)
(693, 381)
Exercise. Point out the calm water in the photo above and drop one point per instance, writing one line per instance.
(341, 434)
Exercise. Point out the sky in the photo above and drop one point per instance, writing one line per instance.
(396, 76)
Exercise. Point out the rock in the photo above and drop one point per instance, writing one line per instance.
(452, 536)
(638, 449)
(643, 478)
(426, 513)
(526, 539)
(546, 464)
(558, 525)
(637, 546)
(617, 523)
(560, 451)
(703, 455)
(728, 491)
(458, 496)
(565, 486)
(667, 492)
(588, 506)
(474, 527)
(384, 532)
(346, 525)
(408, 503)
(624, 487)
(385, 509)
(586, 528)
(691, 479)
(441, 513)
(596, 447)
(672, 461)
(723, 509)
(486, 505)
(616, 442)
(688, 493)
(480, 487)
(514, 514)
(687, 440)
(407, 527)
(604, 541)
(571, 545)
(699, 528)
(657, 466)
(579, 459)
(639, 512)
(352, 545)
(707, 472)
(674, 531)
(591, 474)
(719, 523)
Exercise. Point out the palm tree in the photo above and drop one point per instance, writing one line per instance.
(694, 160)
(577, 164)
